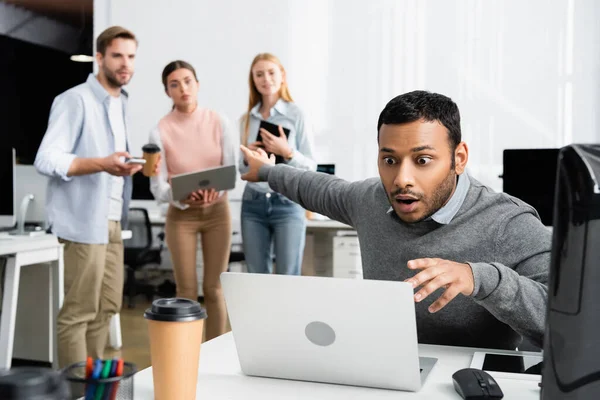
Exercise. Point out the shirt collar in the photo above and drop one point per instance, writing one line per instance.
(99, 90)
(445, 214)
(281, 107)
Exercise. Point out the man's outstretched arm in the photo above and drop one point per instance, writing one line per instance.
(318, 192)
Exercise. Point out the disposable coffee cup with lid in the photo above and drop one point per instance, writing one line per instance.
(175, 310)
(150, 148)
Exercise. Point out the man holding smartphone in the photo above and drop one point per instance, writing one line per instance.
(84, 152)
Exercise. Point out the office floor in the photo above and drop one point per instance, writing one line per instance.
(136, 345)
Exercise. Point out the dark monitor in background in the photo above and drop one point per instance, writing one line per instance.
(530, 175)
(141, 187)
(27, 95)
(326, 168)
(7, 181)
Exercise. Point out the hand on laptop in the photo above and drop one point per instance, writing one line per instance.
(256, 159)
(437, 273)
(201, 197)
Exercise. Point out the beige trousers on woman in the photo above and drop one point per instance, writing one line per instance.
(182, 227)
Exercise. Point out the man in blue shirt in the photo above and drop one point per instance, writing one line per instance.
(89, 190)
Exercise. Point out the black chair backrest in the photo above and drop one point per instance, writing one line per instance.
(141, 229)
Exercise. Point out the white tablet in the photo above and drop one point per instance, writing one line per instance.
(219, 178)
(522, 365)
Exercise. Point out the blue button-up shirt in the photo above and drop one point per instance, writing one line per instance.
(289, 116)
(444, 215)
(79, 126)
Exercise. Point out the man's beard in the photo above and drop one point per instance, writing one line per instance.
(111, 78)
(441, 195)
(437, 200)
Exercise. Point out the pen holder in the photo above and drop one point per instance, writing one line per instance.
(116, 388)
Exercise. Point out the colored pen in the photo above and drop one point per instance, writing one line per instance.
(89, 367)
(90, 390)
(113, 368)
(97, 369)
(105, 373)
(104, 391)
(119, 372)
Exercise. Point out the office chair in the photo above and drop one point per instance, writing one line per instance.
(138, 253)
(236, 256)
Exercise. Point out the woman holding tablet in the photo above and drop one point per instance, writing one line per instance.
(275, 123)
(192, 138)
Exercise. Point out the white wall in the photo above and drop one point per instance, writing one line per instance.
(524, 73)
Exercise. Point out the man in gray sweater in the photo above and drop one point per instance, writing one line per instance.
(479, 259)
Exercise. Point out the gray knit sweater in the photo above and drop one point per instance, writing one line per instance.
(500, 236)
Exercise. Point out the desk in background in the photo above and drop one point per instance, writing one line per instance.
(318, 251)
(32, 296)
(220, 377)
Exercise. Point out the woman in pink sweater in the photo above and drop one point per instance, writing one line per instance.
(193, 138)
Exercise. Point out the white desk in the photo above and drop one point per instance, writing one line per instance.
(35, 251)
(220, 377)
(157, 215)
(318, 250)
(326, 224)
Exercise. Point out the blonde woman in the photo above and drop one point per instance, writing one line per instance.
(192, 138)
(270, 219)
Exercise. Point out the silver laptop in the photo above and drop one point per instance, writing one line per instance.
(343, 331)
(219, 178)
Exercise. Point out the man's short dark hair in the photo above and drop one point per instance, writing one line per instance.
(426, 106)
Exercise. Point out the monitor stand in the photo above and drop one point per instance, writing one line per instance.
(21, 230)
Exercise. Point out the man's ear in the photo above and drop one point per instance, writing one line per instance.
(99, 58)
(461, 156)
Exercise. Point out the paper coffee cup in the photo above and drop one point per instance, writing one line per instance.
(151, 154)
(175, 326)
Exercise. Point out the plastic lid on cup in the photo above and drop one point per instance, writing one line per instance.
(27, 383)
(150, 148)
(175, 310)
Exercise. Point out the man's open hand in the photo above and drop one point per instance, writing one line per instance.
(437, 273)
(256, 159)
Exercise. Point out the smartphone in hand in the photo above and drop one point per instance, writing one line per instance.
(139, 161)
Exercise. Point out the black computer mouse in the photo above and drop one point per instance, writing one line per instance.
(475, 384)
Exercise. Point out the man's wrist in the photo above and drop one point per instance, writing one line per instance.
(101, 162)
(486, 279)
(263, 172)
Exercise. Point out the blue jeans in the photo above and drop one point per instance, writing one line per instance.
(268, 218)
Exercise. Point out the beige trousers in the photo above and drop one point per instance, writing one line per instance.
(93, 294)
(182, 227)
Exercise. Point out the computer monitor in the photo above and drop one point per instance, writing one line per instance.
(7, 199)
(571, 367)
(530, 175)
(31, 186)
(326, 168)
(141, 187)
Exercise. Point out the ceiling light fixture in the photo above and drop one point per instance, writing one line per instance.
(84, 49)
